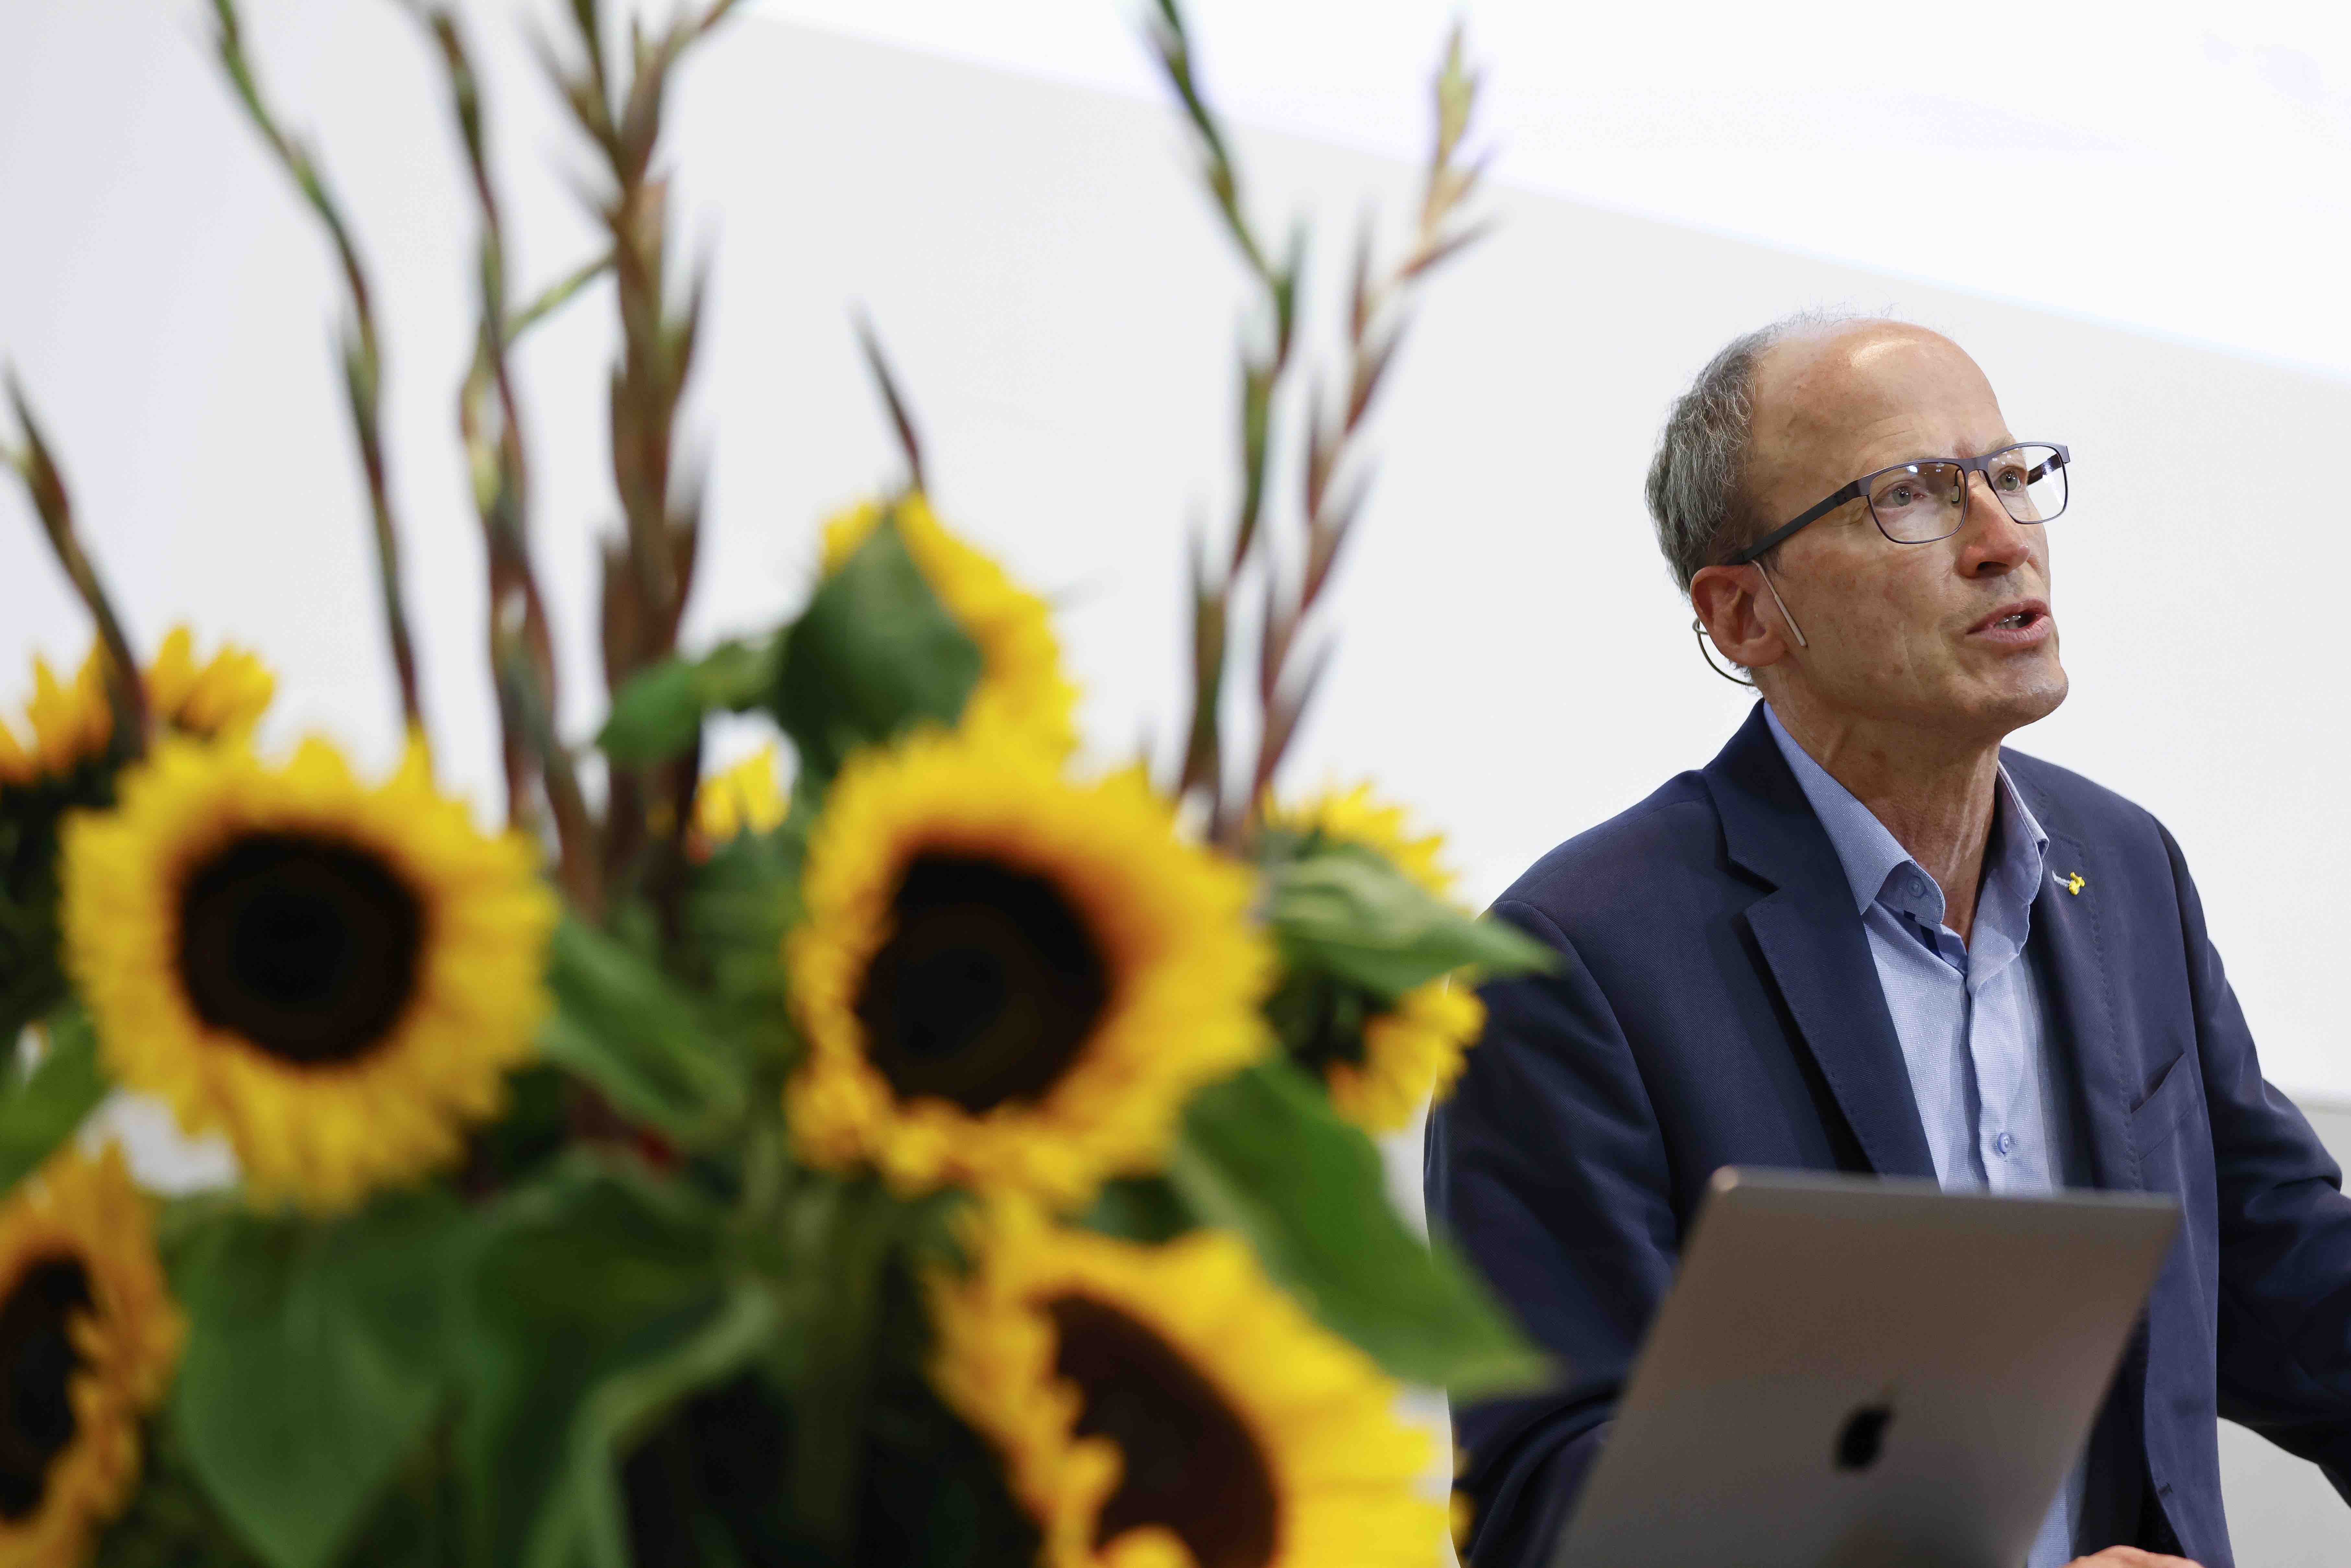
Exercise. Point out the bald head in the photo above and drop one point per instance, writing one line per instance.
(1848, 398)
(1793, 380)
(1846, 624)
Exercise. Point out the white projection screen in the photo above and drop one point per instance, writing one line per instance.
(1513, 658)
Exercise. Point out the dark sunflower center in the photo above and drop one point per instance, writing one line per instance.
(1321, 1020)
(988, 988)
(1190, 1465)
(36, 1365)
(307, 946)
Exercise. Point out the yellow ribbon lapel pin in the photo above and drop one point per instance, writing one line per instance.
(2073, 882)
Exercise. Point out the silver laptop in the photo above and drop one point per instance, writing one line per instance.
(1853, 1372)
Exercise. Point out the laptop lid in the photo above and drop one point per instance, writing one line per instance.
(1854, 1371)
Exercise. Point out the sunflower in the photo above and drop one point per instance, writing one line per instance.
(222, 696)
(1005, 977)
(1412, 1049)
(1168, 1408)
(87, 1339)
(744, 798)
(66, 723)
(335, 976)
(69, 722)
(1021, 684)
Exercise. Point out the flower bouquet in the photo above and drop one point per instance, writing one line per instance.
(932, 1149)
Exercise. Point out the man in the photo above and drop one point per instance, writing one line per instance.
(1867, 938)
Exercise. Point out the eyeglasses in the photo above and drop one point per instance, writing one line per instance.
(1918, 503)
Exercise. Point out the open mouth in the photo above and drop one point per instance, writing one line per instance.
(2026, 621)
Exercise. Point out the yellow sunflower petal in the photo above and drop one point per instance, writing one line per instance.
(1357, 816)
(223, 697)
(1124, 969)
(744, 798)
(89, 1335)
(1412, 1054)
(1021, 684)
(336, 976)
(17, 765)
(1412, 1051)
(69, 722)
(1271, 1443)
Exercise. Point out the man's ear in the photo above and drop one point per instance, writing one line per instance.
(1726, 599)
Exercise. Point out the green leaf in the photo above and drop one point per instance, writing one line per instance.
(874, 652)
(1140, 1208)
(620, 1024)
(42, 1111)
(31, 985)
(316, 1357)
(598, 1295)
(932, 1491)
(659, 713)
(1263, 1154)
(1319, 1018)
(715, 1482)
(1343, 909)
(739, 903)
(626, 1404)
(698, 1490)
(843, 1235)
(935, 1492)
(171, 1521)
(534, 1128)
(418, 1522)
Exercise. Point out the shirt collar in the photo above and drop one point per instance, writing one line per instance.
(1880, 869)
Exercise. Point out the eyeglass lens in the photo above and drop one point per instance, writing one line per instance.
(1923, 501)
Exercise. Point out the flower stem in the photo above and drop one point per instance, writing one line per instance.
(362, 355)
(902, 418)
(489, 422)
(1263, 367)
(1336, 479)
(648, 571)
(126, 691)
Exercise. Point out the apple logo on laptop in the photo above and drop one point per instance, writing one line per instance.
(1863, 1436)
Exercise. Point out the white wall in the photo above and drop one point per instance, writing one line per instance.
(1513, 657)
(2181, 166)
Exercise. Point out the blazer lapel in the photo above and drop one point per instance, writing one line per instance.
(1813, 944)
(2080, 999)
(1819, 956)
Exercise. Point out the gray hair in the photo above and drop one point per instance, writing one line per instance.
(1696, 480)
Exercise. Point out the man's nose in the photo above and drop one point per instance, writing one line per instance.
(1992, 543)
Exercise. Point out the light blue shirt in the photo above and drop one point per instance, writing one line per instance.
(1970, 1018)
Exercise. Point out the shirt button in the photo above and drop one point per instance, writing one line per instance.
(2003, 1145)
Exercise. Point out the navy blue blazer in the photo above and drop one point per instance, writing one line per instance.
(1716, 1003)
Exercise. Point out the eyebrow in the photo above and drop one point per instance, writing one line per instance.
(2003, 445)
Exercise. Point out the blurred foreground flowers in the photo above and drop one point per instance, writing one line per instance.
(913, 1144)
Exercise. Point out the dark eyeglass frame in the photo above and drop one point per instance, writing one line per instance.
(1859, 491)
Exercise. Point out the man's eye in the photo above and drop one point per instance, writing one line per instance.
(2010, 479)
(1901, 496)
